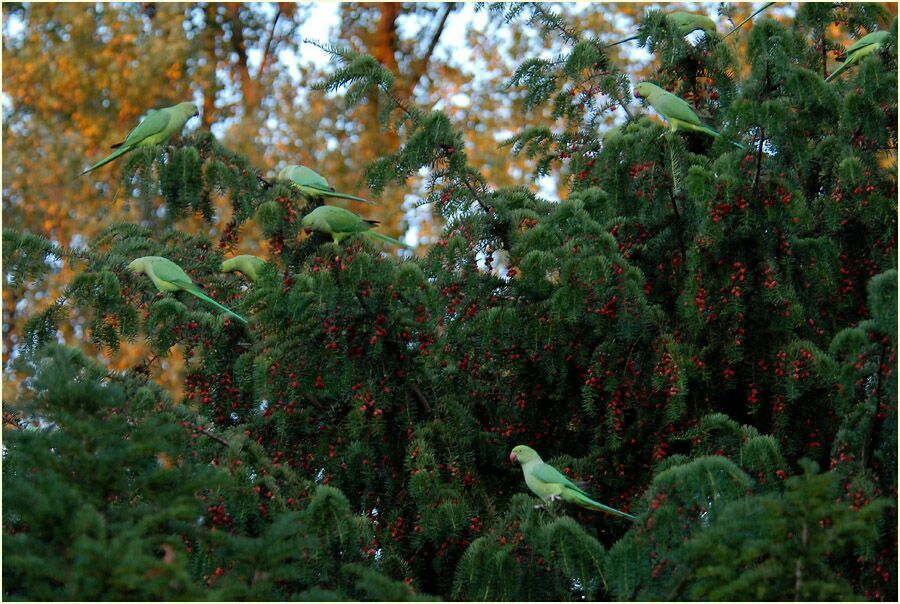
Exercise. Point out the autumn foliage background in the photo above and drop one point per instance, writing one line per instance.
(110, 63)
(645, 308)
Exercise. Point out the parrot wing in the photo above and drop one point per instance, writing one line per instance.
(345, 221)
(155, 122)
(876, 37)
(670, 106)
(547, 473)
(167, 270)
(680, 19)
(308, 178)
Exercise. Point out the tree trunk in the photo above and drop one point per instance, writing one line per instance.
(384, 49)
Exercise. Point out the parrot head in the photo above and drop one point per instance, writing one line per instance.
(137, 266)
(285, 172)
(523, 454)
(308, 223)
(316, 221)
(643, 90)
(187, 108)
(228, 266)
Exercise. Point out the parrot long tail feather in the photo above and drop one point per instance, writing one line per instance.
(120, 152)
(622, 41)
(711, 132)
(596, 505)
(385, 238)
(206, 298)
(707, 130)
(329, 192)
(350, 197)
(839, 70)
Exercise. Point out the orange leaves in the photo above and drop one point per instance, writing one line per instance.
(165, 462)
(174, 72)
(88, 129)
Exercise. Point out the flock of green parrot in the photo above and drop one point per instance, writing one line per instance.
(679, 114)
(158, 126)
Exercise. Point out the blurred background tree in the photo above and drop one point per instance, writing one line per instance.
(248, 67)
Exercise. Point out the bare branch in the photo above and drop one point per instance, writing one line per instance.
(214, 437)
(571, 36)
(265, 56)
(420, 398)
(313, 400)
(422, 63)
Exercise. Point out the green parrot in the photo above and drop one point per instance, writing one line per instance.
(611, 134)
(863, 47)
(169, 277)
(155, 129)
(312, 184)
(683, 23)
(341, 223)
(550, 484)
(675, 110)
(686, 23)
(247, 264)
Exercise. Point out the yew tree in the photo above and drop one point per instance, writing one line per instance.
(705, 333)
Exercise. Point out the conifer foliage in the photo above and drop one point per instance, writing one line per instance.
(705, 334)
